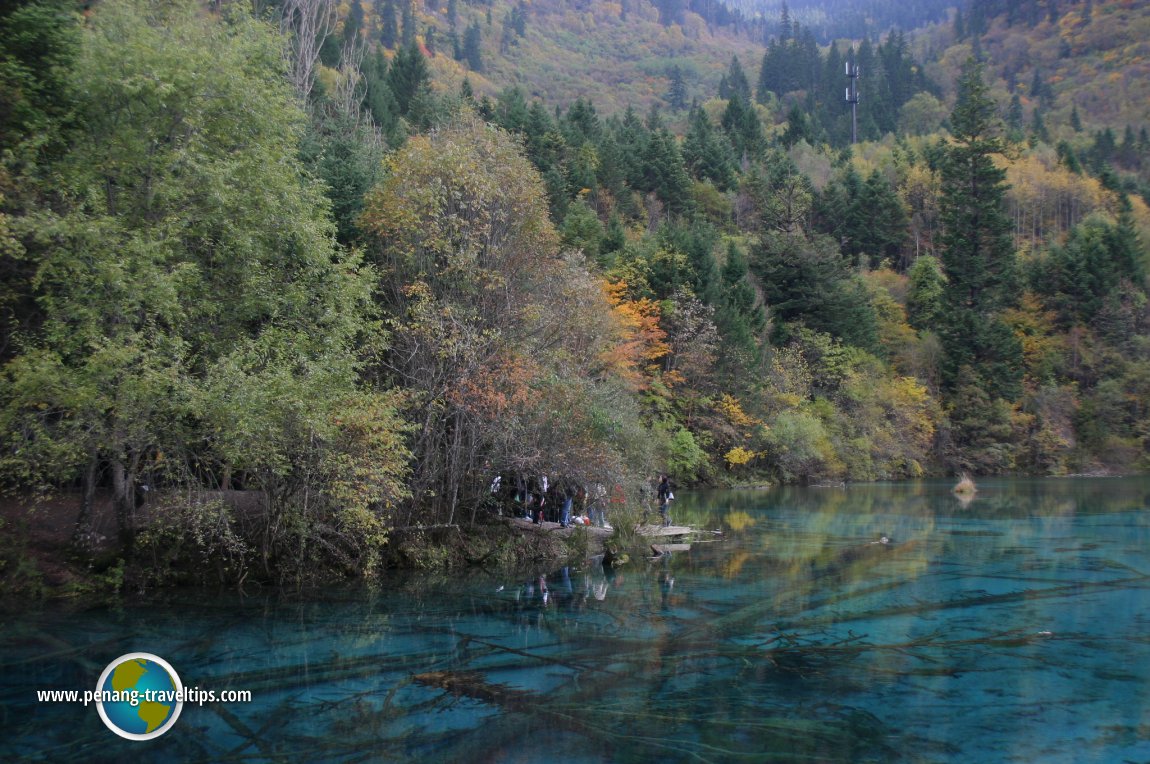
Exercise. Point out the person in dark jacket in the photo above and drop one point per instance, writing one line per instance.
(665, 497)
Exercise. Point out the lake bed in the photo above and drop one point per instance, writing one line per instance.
(879, 622)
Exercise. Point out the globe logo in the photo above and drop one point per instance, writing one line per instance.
(139, 696)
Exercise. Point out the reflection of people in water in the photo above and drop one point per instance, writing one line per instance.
(565, 582)
(544, 592)
(597, 583)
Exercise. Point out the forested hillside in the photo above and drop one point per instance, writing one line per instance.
(363, 258)
(851, 19)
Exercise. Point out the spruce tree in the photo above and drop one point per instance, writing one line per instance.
(378, 99)
(707, 155)
(735, 82)
(1038, 130)
(664, 172)
(407, 77)
(977, 250)
(676, 89)
(883, 239)
(472, 48)
(388, 25)
(924, 305)
(407, 33)
(1014, 119)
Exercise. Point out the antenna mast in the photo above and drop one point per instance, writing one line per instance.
(852, 71)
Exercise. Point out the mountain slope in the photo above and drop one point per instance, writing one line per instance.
(616, 55)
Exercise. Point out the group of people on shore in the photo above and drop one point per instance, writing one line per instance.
(568, 502)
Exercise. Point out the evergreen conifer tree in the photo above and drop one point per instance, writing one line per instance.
(735, 82)
(977, 250)
(1014, 119)
(388, 25)
(676, 89)
(707, 155)
(472, 48)
(407, 77)
(407, 32)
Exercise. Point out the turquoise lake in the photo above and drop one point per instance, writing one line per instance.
(1014, 628)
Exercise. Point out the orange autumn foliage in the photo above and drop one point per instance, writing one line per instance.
(487, 392)
(641, 340)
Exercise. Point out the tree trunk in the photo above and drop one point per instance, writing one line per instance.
(82, 533)
(124, 501)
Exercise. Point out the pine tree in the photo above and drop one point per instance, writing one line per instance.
(697, 241)
(924, 298)
(707, 155)
(472, 48)
(353, 24)
(735, 82)
(768, 73)
(407, 33)
(1068, 157)
(614, 239)
(883, 238)
(676, 89)
(664, 172)
(671, 11)
(743, 129)
(407, 77)
(784, 23)
(1041, 91)
(632, 139)
(798, 128)
(977, 251)
(519, 19)
(739, 318)
(1038, 128)
(1014, 119)
(379, 100)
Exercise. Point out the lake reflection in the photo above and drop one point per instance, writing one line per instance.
(1015, 628)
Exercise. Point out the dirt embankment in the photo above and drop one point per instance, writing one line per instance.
(38, 557)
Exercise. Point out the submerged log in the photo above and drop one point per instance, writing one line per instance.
(471, 684)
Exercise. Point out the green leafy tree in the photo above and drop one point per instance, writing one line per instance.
(498, 337)
(199, 321)
(38, 44)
